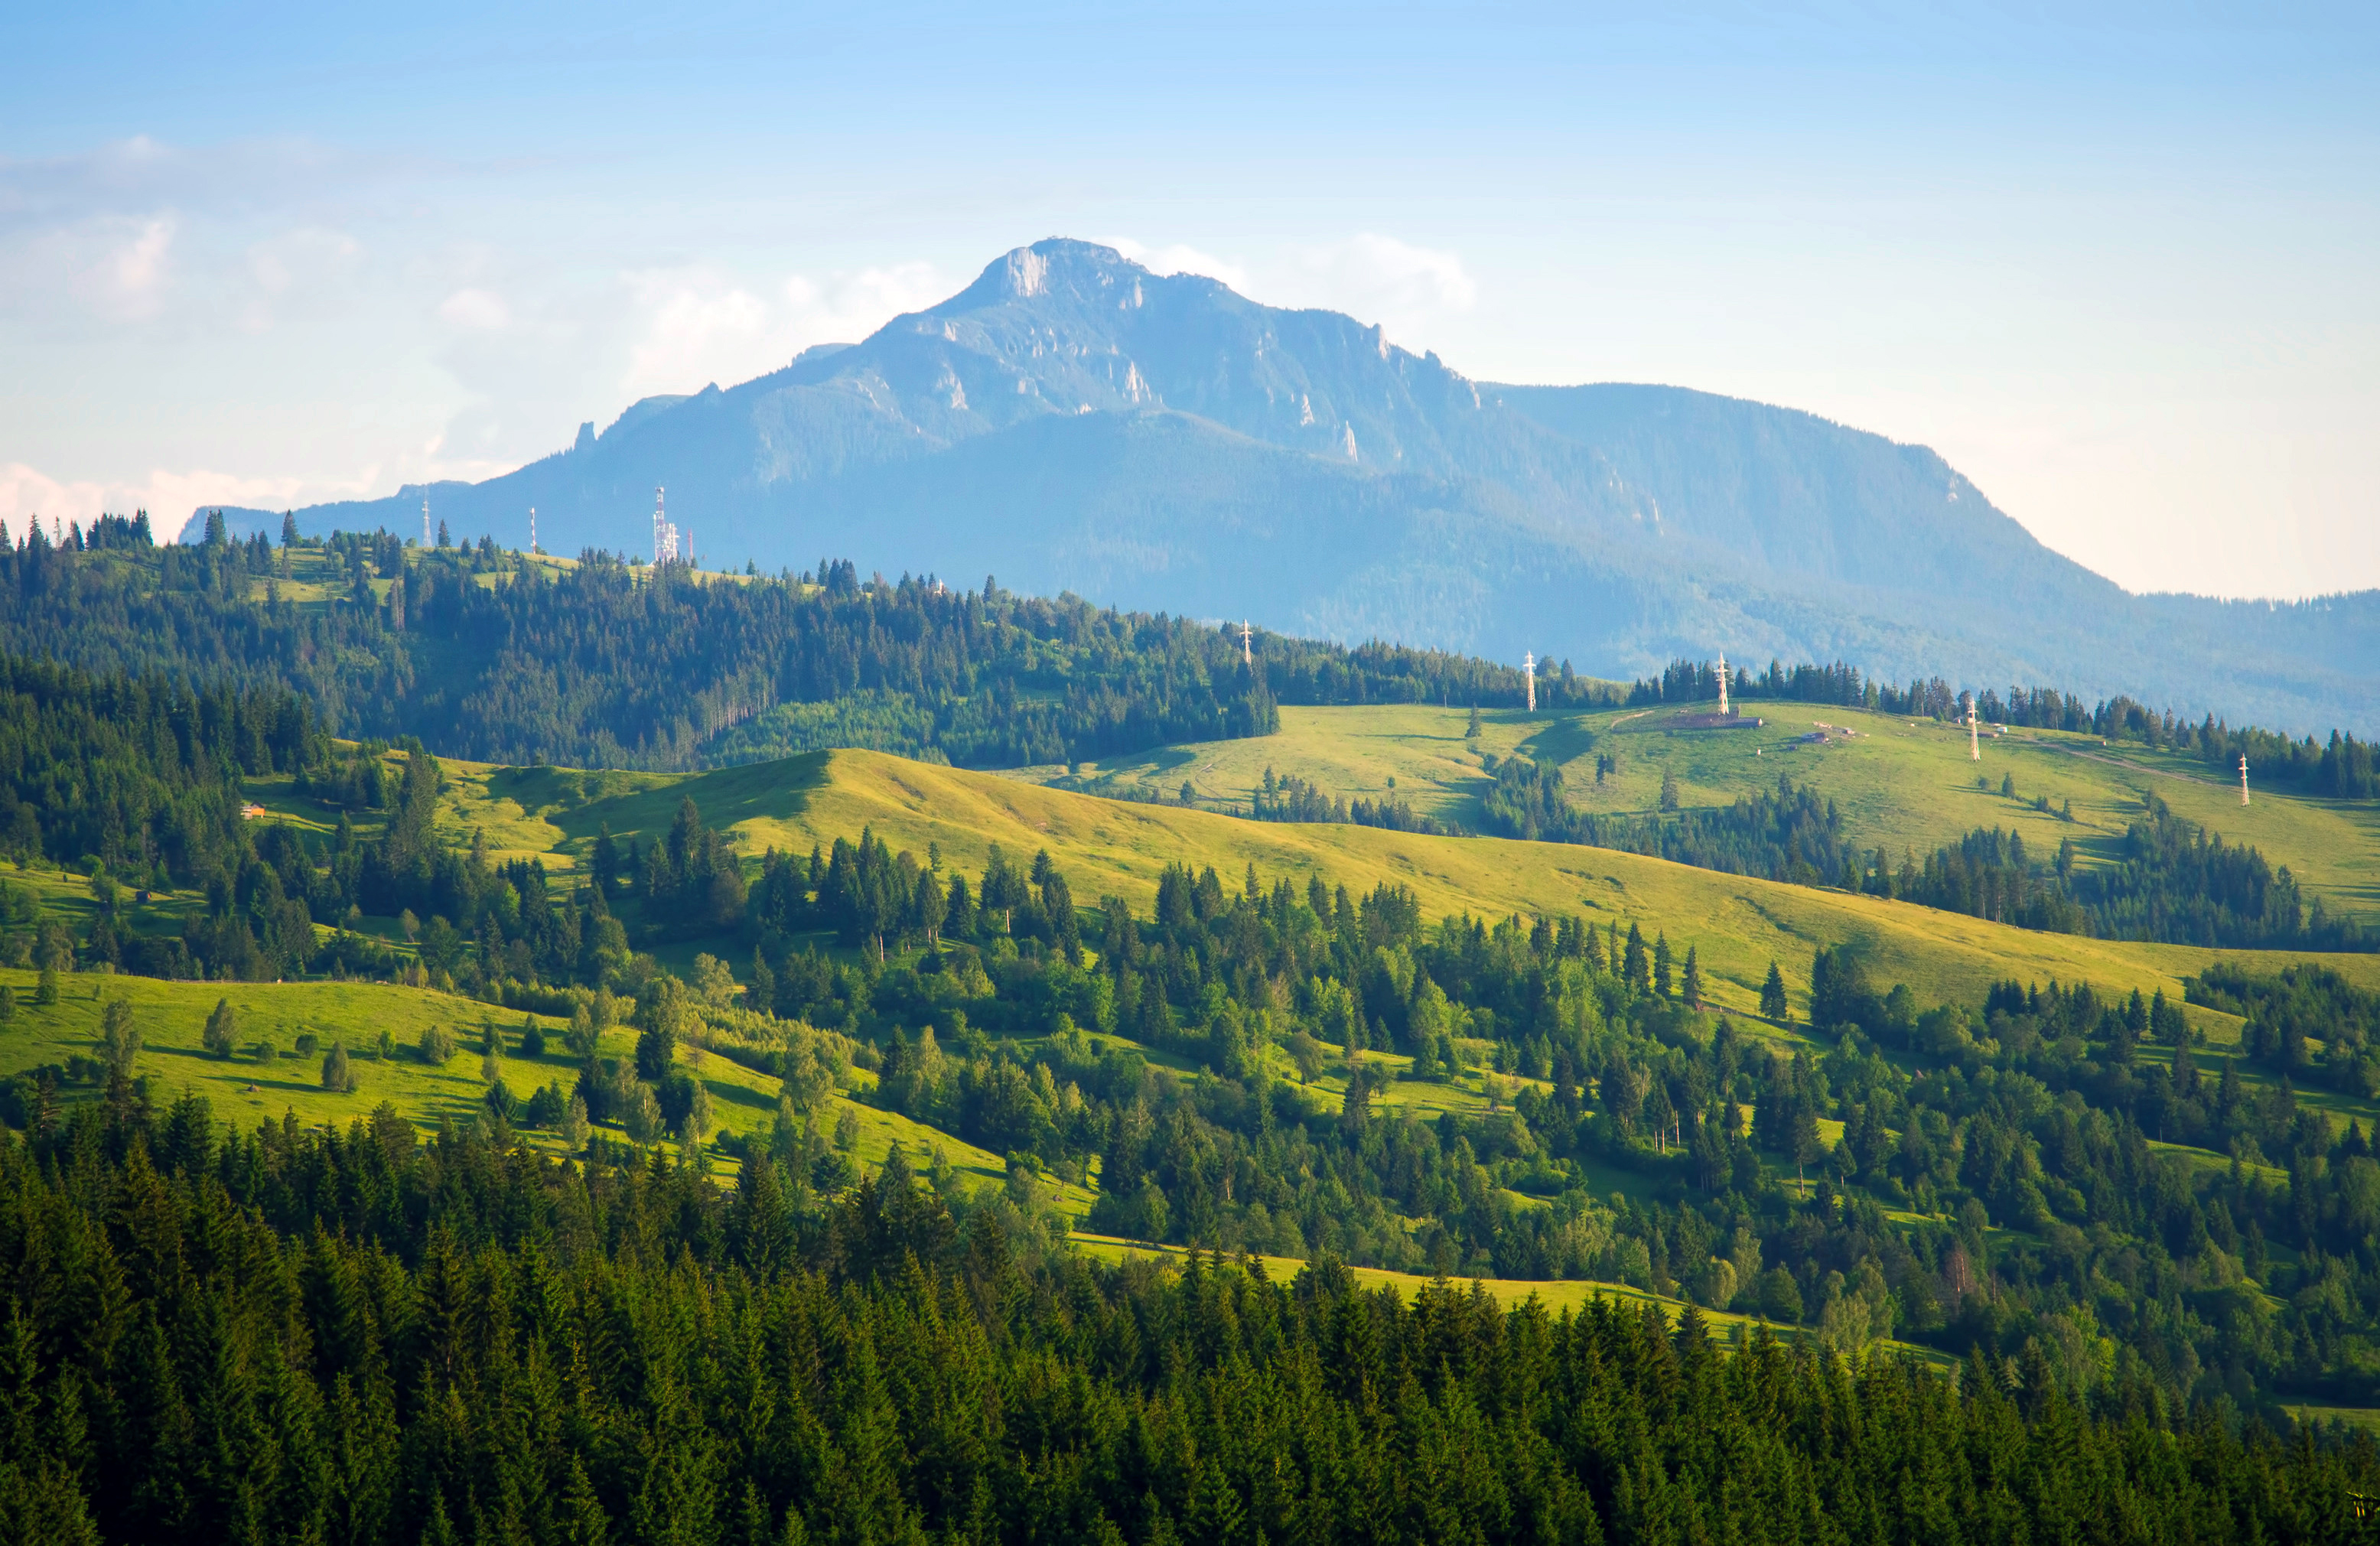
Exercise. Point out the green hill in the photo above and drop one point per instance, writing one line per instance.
(1522, 1106)
(1903, 786)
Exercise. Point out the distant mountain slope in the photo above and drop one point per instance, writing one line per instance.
(1071, 420)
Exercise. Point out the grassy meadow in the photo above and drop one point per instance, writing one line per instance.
(1902, 784)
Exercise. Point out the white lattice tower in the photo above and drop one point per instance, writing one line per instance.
(665, 534)
(1529, 677)
(2243, 778)
(1722, 685)
(425, 523)
(532, 529)
(1974, 736)
(1248, 647)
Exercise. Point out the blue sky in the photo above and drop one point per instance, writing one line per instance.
(2114, 264)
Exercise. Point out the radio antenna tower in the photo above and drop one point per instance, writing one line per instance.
(1247, 653)
(1722, 685)
(1974, 741)
(425, 522)
(665, 534)
(2243, 779)
(532, 529)
(1529, 676)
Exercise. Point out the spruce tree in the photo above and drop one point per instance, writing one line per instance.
(1773, 1005)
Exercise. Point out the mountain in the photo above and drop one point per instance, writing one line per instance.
(1073, 421)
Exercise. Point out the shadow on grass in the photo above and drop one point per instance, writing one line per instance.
(776, 790)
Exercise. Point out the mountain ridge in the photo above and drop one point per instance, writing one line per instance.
(1071, 420)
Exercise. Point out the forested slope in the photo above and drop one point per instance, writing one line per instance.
(487, 654)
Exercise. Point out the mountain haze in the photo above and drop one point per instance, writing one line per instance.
(1071, 420)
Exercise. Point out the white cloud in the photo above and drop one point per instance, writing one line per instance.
(1179, 259)
(136, 271)
(1378, 278)
(698, 324)
(475, 309)
(169, 497)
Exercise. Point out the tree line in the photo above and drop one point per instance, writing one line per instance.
(487, 654)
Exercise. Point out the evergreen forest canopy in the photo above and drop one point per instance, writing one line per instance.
(487, 655)
(357, 1337)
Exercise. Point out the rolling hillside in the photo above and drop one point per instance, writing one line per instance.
(1902, 784)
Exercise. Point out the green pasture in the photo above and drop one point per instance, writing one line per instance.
(1906, 787)
(248, 1087)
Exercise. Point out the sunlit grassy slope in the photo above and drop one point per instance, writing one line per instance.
(1740, 924)
(248, 1086)
(1900, 785)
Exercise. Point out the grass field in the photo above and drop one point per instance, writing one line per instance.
(1903, 786)
(1740, 923)
(248, 1087)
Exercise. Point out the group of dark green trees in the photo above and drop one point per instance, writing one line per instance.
(487, 655)
(355, 1337)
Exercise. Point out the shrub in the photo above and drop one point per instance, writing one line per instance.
(640, 1113)
(548, 1107)
(437, 1046)
(119, 1038)
(222, 1034)
(575, 1128)
(1781, 1296)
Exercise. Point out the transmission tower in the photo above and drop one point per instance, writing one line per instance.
(1722, 685)
(425, 523)
(1247, 648)
(532, 529)
(1974, 739)
(1529, 676)
(2243, 779)
(665, 534)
